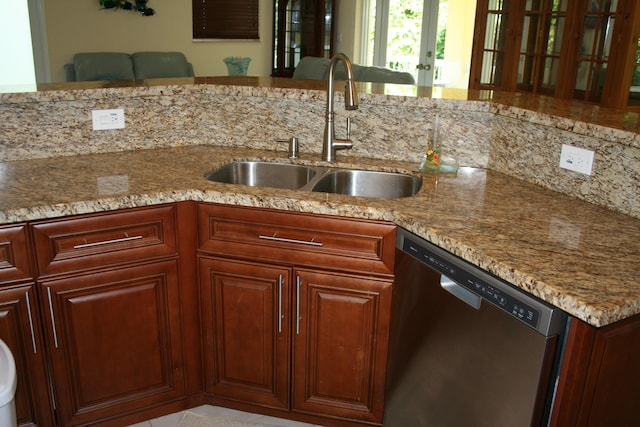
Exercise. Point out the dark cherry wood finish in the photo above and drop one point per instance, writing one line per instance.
(248, 346)
(111, 292)
(599, 378)
(273, 283)
(138, 328)
(20, 328)
(340, 346)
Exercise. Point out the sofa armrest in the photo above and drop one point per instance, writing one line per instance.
(69, 73)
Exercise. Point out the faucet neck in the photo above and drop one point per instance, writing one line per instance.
(329, 143)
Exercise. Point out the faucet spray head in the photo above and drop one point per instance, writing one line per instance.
(350, 95)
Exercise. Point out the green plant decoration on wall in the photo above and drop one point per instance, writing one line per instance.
(137, 6)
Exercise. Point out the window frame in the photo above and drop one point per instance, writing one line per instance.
(226, 20)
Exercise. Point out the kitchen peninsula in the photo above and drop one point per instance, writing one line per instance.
(568, 239)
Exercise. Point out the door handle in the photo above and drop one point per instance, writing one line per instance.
(280, 316)
(33, 335)
(460, 292)
(53, 319)
(298, 284)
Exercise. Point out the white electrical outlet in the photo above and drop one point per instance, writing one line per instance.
(108, 119)
(576, 159)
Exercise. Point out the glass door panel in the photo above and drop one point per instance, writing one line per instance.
(542, 34)
(595, 46)
(494, 43)
(634, 90)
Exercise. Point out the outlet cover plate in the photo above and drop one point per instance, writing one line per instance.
(576, 159)
(108, 119)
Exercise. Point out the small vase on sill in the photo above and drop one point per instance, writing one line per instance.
(237, 66)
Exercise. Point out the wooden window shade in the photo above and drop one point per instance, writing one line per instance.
(225, 19)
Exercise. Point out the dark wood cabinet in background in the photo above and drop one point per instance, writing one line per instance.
(301, 28)
(582, 49)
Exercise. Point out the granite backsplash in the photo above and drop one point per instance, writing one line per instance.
(518, 142)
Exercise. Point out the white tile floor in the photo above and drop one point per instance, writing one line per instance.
(172, 420)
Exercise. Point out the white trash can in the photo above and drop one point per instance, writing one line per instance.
(8, 384)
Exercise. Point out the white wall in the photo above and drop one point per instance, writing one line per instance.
(17, 71)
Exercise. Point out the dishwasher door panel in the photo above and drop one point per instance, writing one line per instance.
(453, 365)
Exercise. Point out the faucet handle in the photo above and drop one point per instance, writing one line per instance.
(348, 127)
(293, 146)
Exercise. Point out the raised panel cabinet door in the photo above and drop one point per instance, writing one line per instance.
(341, 333)
(20, 330)
(245, 314)
(114, 339)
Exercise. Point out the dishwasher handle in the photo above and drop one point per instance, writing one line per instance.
(460, 292)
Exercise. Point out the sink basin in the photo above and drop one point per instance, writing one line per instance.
(263, 174)
(368, 184)
(323, 179)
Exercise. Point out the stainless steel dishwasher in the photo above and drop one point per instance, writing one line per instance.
(466, 348)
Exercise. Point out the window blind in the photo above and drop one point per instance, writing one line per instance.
(225, 19)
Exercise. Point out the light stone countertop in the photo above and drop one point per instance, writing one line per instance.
(572, 254)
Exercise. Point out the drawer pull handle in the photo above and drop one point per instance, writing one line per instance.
(33, 335)
(311, 242)
(107, 242)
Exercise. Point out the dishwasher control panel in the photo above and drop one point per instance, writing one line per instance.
(488, 287)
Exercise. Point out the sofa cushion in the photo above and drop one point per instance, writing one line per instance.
(149, 65)
(318, 69)
(384, 75)
(311, 68)
(103, 66)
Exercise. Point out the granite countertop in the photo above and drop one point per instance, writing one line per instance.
(572, 254)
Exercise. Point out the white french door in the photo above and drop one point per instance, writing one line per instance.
(405, 37)
(431, 39)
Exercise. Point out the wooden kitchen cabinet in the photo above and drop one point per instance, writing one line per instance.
(20, 328)
(320, 286)
(599, 376)
(110, 291)
(245, 311)
(340, 345)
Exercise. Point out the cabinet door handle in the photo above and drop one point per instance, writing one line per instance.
(33, 335)
(107, 242)
(53, 320)
(298, 284)
(280, 303)
(274, 237)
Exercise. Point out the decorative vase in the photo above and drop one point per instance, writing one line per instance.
(237, 66)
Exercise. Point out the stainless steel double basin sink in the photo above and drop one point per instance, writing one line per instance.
(325, 179)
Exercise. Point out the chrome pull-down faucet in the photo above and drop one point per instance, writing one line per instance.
(329, 142)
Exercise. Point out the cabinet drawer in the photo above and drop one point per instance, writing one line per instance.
(297, 238)
(14, 255)
(98, 240)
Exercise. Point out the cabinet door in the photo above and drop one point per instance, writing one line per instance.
(341, 332)
(245, 311)
(114, 340)
(19, 329)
